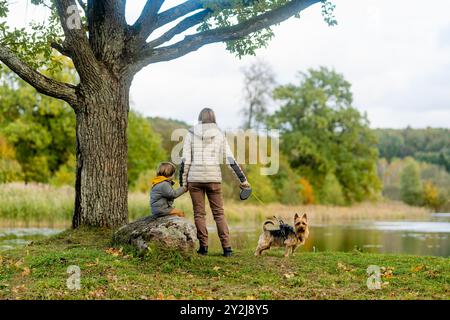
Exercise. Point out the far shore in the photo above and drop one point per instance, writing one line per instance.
(236, 212)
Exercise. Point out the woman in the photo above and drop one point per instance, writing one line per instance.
(205, 148)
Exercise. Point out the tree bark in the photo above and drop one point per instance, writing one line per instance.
(101, 187)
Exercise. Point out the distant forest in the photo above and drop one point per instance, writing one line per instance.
(431, 145)
(408, 154)
(426, 145)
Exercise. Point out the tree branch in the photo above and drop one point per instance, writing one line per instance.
(184, 25)
(180, 10)
(191, 43)
(61, 49)
(189, 6)
(43, 84)
(150, 20)
(76, 41)
(144, 25)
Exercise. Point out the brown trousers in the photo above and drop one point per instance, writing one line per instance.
(214, 193)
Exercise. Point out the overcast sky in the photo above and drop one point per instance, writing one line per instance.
(396, 54)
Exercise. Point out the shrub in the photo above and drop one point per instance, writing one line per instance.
(10, 171)
(65, 175)
(261, 185)
(286, 185)
(331, 191)
(144, 181)
(307, 191)
(432, 197)
(410, 184)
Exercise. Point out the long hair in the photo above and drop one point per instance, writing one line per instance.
(207, 116)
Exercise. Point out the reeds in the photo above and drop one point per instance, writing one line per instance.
(38, 204)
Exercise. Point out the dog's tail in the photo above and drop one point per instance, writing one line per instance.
(268, 225)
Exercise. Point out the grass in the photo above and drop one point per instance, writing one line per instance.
(39, 271)
(43, 205)
(22, 204)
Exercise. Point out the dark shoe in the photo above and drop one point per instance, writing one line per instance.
(203, 251)
(227, 252)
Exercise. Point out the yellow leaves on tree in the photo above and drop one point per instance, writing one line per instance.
(307, 191)
(6, 150)
(432, 198)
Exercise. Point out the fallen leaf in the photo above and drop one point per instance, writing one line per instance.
(26, 272)
(99, 293)
(112, 277)
(93, 264)
(160, 296)
(432, 273)
(17, 289)
(216, 268)
(198, 291)
(114, 252)
(387, 272)
(289, 275)
(343, 267)
(18, 263)
(417, 268)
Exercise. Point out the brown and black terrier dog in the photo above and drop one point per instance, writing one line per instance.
(283, 235)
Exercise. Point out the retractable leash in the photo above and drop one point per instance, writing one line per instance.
(247, 192)
(259, 200)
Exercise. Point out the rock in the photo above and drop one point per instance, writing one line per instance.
(169, 231)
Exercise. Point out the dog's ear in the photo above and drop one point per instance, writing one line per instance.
(296, 216)
(305, 216)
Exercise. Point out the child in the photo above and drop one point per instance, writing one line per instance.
(162, 194)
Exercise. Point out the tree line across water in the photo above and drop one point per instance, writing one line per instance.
(329, 154)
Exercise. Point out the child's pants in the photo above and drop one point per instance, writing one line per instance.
(177, 212)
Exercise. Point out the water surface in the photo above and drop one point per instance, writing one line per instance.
(423, 237)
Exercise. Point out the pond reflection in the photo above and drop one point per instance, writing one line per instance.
(13, 237)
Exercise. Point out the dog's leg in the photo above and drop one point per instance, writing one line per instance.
(260, 249)
(286, 251)
(293, 249)
(264, 249)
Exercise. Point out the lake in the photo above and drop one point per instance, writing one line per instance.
(430, 237)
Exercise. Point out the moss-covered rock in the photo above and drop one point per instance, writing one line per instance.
(170, 231)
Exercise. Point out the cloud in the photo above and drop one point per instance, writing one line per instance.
(389, 50)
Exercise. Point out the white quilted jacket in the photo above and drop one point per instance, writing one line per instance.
(205, 148)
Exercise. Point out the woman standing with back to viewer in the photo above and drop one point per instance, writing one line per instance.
(205, 148)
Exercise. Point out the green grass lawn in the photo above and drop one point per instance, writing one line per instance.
(39, 271)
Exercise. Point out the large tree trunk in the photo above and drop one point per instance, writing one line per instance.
(101, 198)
